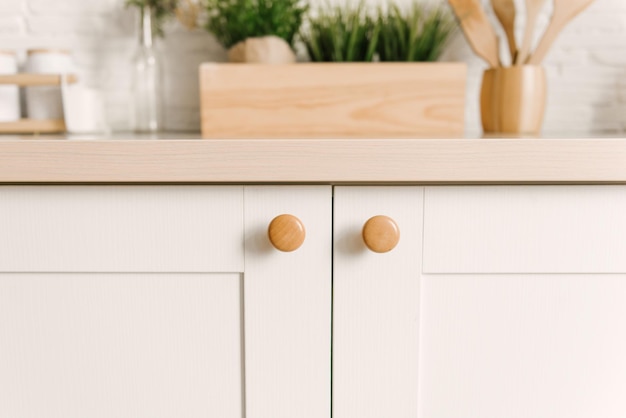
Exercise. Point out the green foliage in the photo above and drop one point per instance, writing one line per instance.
(232, 21)
(419, 34)
(341, 34)
(161, 10)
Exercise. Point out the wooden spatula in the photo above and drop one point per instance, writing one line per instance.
(478, 30)
(505, 11)
(533, 8)
(564, 12)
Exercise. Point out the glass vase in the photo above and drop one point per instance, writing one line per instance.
(147, 82)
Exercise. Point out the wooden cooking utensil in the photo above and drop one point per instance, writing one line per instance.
(505, 11)
(533, 8)
(564, 12)
(478, 30)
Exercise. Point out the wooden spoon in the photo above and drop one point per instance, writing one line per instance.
(533, 8)
(505, 11)
(478, 31)
(564, 12)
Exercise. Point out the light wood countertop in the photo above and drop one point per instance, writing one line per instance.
(130, 159)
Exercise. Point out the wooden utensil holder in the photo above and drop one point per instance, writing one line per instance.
(513, 100)
(34, 126)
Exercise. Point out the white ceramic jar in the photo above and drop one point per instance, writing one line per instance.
(46, 102)
(9, 94)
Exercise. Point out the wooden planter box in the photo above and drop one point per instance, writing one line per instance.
(365, 100)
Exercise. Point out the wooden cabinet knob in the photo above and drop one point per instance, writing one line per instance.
(381, 234)
(286, 233)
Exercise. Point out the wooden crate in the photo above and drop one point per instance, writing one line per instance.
(331, 100)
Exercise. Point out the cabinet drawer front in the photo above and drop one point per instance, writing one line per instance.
(121, 229)
(525, 229)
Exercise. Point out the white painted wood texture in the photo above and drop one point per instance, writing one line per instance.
(520, 346)
(120, 345)
(121, 228)
(525, 229)
(288, 305)
(376, 305)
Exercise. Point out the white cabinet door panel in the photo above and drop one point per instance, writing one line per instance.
(525, 229)
(376, 305)
(520, 346)
(120, 345)
(288, 305)
(121, 228)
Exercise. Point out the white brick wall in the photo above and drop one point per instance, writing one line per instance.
(587, 67)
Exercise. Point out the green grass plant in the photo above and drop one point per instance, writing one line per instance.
(341, 34)
(232, 21)
(417, 34)
(356, 33)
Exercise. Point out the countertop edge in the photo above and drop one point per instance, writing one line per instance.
(368, 161)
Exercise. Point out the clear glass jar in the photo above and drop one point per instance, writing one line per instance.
(147, 81)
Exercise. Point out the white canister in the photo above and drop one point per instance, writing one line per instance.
(9, 94)
(84, 109)
(46, 102)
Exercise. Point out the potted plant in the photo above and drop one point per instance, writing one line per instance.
(362, 81)
(256, 30)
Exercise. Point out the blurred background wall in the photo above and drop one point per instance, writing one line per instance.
(586, 68)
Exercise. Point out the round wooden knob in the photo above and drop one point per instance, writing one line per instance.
(381, 234)
(286, 233)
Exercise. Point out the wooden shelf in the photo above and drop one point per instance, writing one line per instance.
(29, 80)
(30, 126)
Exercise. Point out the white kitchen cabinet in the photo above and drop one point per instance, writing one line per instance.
(162, 301)
(509, 303)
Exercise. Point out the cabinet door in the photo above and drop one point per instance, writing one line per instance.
(376, 308)
(121, 301)
(515, 308)
(161, 301)
(517, 317)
